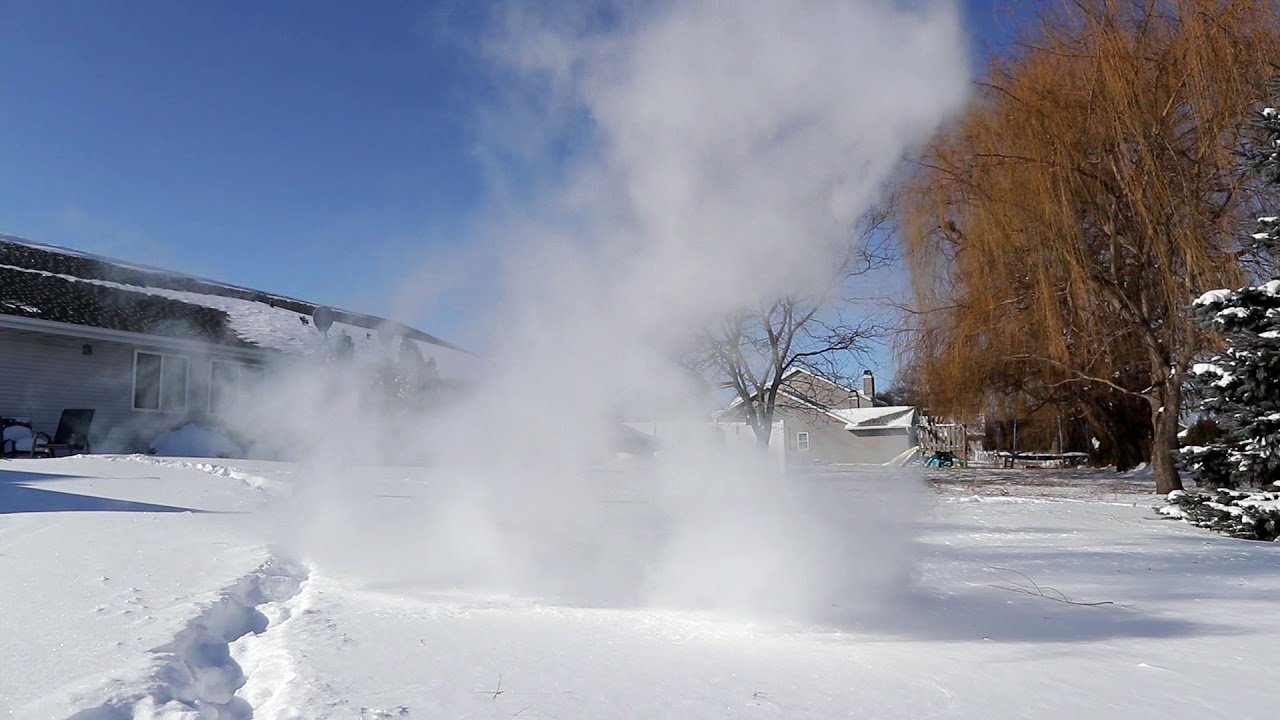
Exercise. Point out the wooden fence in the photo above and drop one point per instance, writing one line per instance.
(951, 437)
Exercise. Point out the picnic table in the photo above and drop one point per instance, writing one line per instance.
(1068, 459)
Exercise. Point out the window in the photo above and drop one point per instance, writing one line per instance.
(231, 382)
(224, 385)
(159, 382)
(802, 441)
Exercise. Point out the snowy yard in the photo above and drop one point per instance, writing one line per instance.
(136, 587)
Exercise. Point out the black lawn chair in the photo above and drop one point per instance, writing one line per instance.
(71, 436)
(13, 432)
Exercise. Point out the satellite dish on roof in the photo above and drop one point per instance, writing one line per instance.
(323, 318)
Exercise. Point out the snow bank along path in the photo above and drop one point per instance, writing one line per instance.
(259, 480)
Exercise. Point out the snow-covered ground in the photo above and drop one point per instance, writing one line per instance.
(138, 587)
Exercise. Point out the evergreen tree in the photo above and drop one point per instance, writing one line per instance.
(1242, 386)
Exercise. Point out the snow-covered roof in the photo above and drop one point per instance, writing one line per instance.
(873, 418)
(797, 370)
(784, 391)
(46, 282)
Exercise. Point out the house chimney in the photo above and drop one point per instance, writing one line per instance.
(868, 384)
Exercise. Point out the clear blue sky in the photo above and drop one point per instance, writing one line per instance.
(318, 149)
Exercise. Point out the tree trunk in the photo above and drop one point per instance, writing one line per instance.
(1125, 451)
(1119, 427)
(763, 427)
(1164, 434)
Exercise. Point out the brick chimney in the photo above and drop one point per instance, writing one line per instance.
(868, 384)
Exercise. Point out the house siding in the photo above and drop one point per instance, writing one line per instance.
(883, 445)
(41, 375)
(830, 442)
(742, 437)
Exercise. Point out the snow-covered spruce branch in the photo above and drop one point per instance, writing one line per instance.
(1240, 514)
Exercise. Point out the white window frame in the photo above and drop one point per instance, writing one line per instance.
(802, 441)
(186, 383)
(239, 373)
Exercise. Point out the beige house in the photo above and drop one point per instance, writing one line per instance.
(823, 422)
(146, 349)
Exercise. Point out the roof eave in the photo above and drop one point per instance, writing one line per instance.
(88, 332)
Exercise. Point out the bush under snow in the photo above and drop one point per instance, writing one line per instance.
(1246, 515)
(195, 441)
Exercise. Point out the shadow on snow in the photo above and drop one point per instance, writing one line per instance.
(18, 494)
(994, 615)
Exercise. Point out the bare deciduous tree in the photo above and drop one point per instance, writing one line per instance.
(751, 352)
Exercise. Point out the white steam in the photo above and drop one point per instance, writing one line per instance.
(734, 144)
(707, 154)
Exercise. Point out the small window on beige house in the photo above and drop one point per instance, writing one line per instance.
(802, 441)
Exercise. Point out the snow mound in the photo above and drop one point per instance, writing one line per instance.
(254, 481)
(1213, 296)
(1143, 470)
(193, 440)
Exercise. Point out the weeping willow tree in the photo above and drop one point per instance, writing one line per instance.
(1058, 231)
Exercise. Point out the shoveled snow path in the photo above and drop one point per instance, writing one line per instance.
(195, 674)
(103, 564)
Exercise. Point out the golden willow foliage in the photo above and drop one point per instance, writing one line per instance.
(1058, 231)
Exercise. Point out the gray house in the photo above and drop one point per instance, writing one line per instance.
(824, 422)
(147, 349)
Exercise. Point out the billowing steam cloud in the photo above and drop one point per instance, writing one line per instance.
(693, 157)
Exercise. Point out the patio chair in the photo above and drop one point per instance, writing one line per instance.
(71, 436)
(16, 436)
